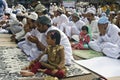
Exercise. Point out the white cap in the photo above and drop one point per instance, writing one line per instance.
(112, 12)
(19, 14)
(8, 10)
(32, 15)
(90, 11)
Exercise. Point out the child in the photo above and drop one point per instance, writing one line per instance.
(55, 64)
(84, 39)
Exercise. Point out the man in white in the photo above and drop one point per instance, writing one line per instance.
(27, 46)
(78, 24)
(108, 38)
(61, 18)
(92, 24)
(44, 25)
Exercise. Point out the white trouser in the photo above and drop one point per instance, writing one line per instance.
(109, 49)
(112, 51)
(95, 46)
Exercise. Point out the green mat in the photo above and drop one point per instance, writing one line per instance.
(87, 54)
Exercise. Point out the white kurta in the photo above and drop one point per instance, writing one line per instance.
(30, 48)
(61, 19)
(70, 29)
(109, 43)
(79, 24)
(93, 26)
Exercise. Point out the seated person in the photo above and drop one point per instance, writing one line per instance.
(55, 64)
(84, 39)
(108, 40)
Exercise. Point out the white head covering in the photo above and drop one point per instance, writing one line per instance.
(32, 15)
(40, 8)
(8, 10)
(112, 12)
(90, 11)
(20, 14)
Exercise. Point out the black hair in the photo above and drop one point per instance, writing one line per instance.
(21, 17)
(32, 20)
(45, 11)
(55, 34)
(85, 28)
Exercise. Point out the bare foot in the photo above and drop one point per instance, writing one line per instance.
(26, 73)
(42, 70)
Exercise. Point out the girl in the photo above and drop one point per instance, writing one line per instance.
(55, 64)
(84, 39)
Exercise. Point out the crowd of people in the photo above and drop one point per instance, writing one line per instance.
(48, 36)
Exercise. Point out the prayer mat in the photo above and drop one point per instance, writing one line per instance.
(13, 60)
(74, 72)
(86, 54)
(5, 35)
(8, 44)
(5, 39)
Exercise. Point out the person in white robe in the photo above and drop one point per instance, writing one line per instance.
(27, 46)
(92, 24)
(78, 25)
(44, 25)
(61, 18)
(108, 38)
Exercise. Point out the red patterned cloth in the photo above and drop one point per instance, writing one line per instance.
(83, 42)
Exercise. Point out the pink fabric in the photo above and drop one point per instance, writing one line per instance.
(85, 40)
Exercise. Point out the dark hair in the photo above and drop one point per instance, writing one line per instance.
(85, 28)
(54, 34)
(45, 11)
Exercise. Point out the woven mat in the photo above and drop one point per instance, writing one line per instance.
(6, 41)
(12, 60)
(5, 35)
(8, 44)
(86, 54)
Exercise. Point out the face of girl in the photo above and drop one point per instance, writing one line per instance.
(84, 31)
(49, 40)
